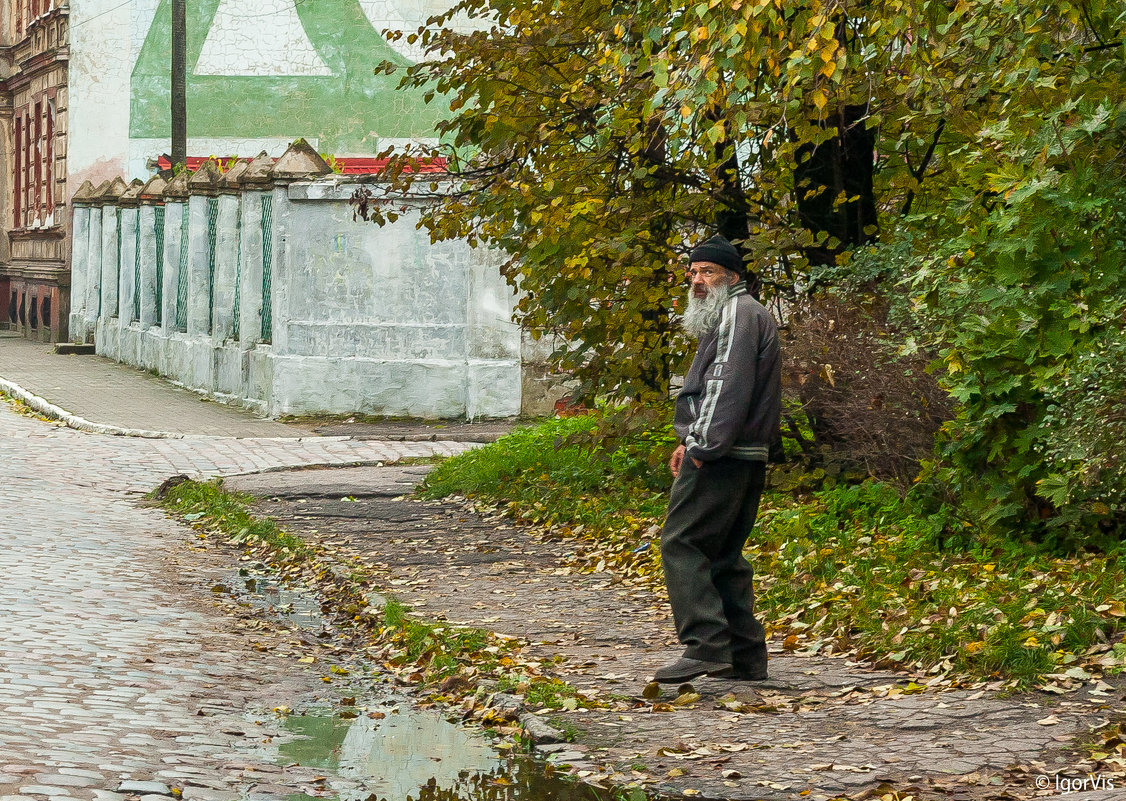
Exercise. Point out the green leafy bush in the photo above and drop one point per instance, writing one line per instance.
(1021, 310)
(1086, 437)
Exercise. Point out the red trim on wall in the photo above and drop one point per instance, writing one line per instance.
(348, 165)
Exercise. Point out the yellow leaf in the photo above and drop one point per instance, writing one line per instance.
(820, 100)
(829, 69)
(973, 647)
(686, 699)
(1117, 609)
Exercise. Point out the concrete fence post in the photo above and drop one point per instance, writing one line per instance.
(129, 298)
(128, 251)
(198, 290)
(203, 184)
(110, 283)
(227, 230)
(109, 262)
(173, 224)
(79, 261)
(227, 310)
(152, 252)
(250, 271)
(256, 257)
(177, 253)
(93, 306)
(300, 162)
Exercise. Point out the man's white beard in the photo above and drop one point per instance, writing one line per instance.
(702, 314)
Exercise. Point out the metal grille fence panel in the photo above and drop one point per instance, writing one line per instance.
(116, 311)
(235, 323)
(267, 267)
(158, 226)
(137, 266)
(96, 241)
(182, 275)
(212, 221)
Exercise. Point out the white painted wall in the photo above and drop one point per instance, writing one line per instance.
(406, 326)
(367, 319)
(98, 95)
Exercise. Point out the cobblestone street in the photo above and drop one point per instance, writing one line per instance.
(116, 664)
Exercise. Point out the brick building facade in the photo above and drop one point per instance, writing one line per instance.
(34, 277)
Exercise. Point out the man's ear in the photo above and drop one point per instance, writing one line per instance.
(733, 278)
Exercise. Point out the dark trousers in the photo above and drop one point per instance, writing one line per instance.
(711, 512)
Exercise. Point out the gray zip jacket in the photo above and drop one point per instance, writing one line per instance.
(732, 395)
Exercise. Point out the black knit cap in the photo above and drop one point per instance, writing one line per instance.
(719, 251)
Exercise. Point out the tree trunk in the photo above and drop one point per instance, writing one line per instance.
(843, 164)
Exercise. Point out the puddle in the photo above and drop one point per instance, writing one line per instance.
(395, 752)
(262, 592)
(417, 755)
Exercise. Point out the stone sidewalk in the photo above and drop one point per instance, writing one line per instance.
(122, 672)
(103, 391)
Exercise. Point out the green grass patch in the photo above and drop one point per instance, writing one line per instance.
(440, 649)
(856, 568)
(229, 514)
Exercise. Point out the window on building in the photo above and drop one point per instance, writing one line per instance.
(34, 130)
(28, 170)
(36, 179)
(18, 186)
(49, 162)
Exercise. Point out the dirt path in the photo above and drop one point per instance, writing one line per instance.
(820, 728)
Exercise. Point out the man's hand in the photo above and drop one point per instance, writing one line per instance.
(676, 460)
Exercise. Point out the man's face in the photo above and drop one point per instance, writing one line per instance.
(705, 275)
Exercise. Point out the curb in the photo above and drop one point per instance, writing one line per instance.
(50, 410)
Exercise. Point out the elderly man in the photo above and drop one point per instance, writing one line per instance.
(726, 417)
